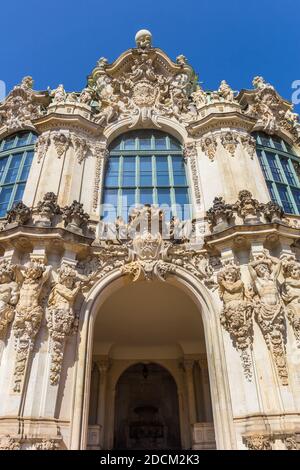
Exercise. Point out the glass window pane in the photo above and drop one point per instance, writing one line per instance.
(129, 171)
(296, 194)
(276, 173)
(19, 193)
(112, 175)
(272, 191)
(26, 167)
(262, 163)
(174, 145)
(182, 203)
(146, 196)
(13, 169)
(128, 202)
(4, 199)
(145, 143)
(9, 143)
(265, 140)
(287, 171)
(277, 143)
(160, 143)
(22, 140)
(162, 171)
(110, 204)
(285, 198)
(163, 196)
(129, 144)
(178, 170)
(145, 171)
(3, 162)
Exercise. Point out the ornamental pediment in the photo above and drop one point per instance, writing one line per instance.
(273, 114)
(142, 83)
(21, 107)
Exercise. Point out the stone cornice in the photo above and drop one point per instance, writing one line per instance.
(74, 122)
(259, 231)
(25, 236)
(216, 121)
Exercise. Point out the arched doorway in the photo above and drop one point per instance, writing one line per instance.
(158, 325)
(146, 409)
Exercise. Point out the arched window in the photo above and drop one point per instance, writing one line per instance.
(16, 154)
(281, 171)
(145, 167)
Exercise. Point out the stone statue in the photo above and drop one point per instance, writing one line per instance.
(181, 60)
(85, 96)
(236, 316)
(27, 83)
(269, 312)
(9, 295)
(225, 91)
(60, 315)
(58, 94)
(102, 62)
(260, 83)
(143, 39)
(291, 294)
(29, 312)
(199, 97)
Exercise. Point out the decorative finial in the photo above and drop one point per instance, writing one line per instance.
(143, 39)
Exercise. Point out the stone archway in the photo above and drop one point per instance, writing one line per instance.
(146, 409)
(206, 309)
(150, 322)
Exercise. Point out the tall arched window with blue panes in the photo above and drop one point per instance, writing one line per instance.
(16, 154)
(280, 166)
(145, 167)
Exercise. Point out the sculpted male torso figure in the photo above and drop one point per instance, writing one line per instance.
(265, 281)
(29, 311)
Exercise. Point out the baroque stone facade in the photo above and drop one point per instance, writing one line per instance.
(235, 263)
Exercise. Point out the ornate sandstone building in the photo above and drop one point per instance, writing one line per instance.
(150, 262)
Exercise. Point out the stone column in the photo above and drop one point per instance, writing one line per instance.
(188, 367)
(103, 366)
(206, 390)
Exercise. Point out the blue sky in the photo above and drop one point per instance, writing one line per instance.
(60, 41)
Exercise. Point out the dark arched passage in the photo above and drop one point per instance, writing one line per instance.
(146, 409)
